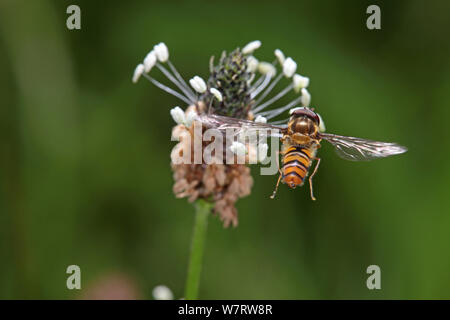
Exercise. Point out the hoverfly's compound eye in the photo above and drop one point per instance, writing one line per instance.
(306, 112)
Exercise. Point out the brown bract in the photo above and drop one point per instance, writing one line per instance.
(222, 184)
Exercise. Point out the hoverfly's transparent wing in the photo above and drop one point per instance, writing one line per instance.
(240, 126)
(358, 149)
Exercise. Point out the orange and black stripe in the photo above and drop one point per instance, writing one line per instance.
(296, 163)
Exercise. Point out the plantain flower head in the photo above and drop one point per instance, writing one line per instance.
(239, 86)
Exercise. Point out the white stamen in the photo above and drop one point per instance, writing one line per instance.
(273, 113)
(267, 68)
(322, 127)
(257, 83)
(260, 86)
(274, 99)
(260, 119)
(299, 82)
(161, 51)
(138, 72)
(198, 84)
(251, 46)
(186, 91)
(150, 61)
(167, 89)
(262, 151)
(250, 80)
(267, 91)
(178, 115)
(216, 94)
(306, 97)
(252, 64)
(238, 148)
(162, 293)
(289, 67)
(280, 56)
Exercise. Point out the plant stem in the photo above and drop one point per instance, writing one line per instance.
(202, 210)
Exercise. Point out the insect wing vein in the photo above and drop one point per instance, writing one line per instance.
(240, 125)
(358, 149)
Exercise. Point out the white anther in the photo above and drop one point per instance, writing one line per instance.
(280, 56)
(198, 84)
(267, 68)
(322, 127)
(138, 72)
(190, 115)
(299, 82)
(216, 94)
(150, 61)
(289, 67)
(251, 46)
(161, 51)
(178, 115)
(306, 98)
(252, 64)
(260, 119)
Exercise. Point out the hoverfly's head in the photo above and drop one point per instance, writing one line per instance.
(304, 121)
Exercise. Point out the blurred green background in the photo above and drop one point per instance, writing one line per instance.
(85, 174)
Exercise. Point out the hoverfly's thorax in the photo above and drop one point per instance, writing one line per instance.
(303, 125)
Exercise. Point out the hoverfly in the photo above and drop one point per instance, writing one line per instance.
(300, 140)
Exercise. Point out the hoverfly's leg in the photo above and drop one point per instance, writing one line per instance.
(311, 176)
(276, 187)
(278, 161)
(279, 177)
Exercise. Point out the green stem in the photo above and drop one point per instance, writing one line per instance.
(202, 210)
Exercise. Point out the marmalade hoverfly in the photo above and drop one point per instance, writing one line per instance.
(300, 139)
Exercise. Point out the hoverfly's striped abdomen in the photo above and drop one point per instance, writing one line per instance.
(296, 163)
